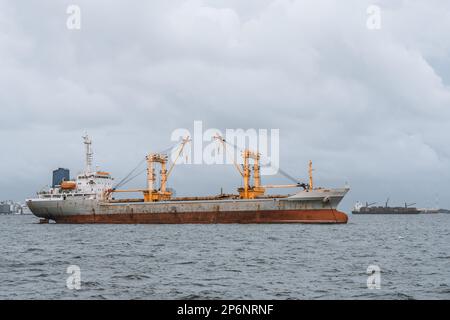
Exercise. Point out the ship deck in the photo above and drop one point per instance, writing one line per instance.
(206, 198)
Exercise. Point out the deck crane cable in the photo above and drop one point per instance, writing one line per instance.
(125, 179)
(288, 176)
(282, 172)
(224, 142)
(131, 175)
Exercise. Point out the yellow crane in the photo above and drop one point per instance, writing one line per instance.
(152, 194)
(252, 187)
(249, 191)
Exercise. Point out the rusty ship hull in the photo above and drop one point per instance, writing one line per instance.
(313, 206)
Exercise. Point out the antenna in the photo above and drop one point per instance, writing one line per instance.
(311, 185)
(89, 153)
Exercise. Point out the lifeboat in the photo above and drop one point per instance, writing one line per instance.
(68, 185)
(102, 173)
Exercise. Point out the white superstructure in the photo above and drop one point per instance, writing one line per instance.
(89, 184)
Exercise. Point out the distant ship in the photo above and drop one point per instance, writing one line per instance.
(369, 208)
(88, 199)
(433, 210)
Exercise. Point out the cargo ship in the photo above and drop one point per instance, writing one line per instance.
(90, 198)
(386, 209)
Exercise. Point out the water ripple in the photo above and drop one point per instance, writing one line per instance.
(227, 261)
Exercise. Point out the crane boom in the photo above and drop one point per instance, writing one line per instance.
(222, 140)
(276, 186)
(183, 144)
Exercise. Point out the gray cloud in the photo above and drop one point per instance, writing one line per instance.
(369, 107)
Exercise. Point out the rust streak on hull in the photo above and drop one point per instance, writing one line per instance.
(276, 216)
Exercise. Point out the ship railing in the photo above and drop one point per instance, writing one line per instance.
(65, 195)
(49, 196)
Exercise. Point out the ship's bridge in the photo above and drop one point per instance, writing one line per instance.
(94, 182)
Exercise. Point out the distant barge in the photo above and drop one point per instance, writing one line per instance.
(370, 209)
(88, 199)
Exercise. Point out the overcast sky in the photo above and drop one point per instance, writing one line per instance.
(369, 107)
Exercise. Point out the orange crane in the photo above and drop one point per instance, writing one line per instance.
(252, 187)
(151, 193)
(253, 191)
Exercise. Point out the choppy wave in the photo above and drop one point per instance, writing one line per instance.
(227, 261)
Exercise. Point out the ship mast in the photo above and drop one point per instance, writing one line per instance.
(89, 154)
(311, 184)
